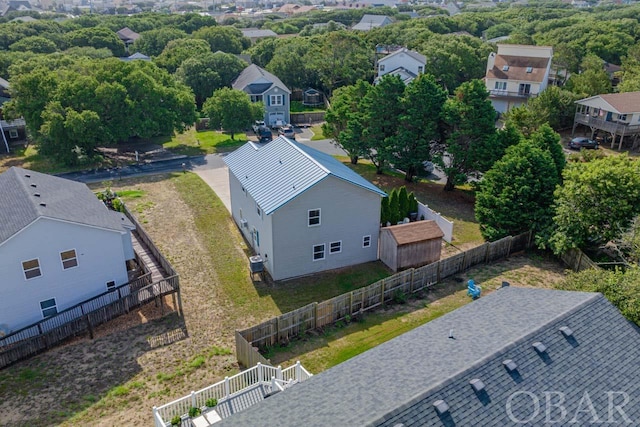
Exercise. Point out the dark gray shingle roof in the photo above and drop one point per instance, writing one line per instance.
(259, 77)
(398, 382)
(57, 198)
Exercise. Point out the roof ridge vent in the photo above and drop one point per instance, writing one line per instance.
(566, 331)
(441, 407)
(26, 175)
(44, 205)
(36, 194)
(510, 365)
(33, 185)
(477, 385)
(540, 348)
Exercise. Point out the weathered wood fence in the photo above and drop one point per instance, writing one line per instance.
(306, 118)
(577, 260)
(313, 316)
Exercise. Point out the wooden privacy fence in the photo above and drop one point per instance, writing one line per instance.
(577, 260)
(313, 316)
(82, 318)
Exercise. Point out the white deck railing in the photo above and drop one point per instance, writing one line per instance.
(230, 386)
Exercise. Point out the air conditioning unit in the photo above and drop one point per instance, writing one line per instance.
(244, 223)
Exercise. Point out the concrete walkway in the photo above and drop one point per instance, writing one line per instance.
(218, 180)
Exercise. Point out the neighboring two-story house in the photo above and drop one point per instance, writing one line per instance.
(516, 73)
(302, 210)
(262, 86)
(405, 63)
(59, 245)
(615, 114)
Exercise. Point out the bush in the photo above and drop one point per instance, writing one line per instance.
(194, 412)
(210, 403)
(399, 297)
(175, 421)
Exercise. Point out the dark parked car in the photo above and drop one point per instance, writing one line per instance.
(287, 131)
(581, 142)
(264, 134)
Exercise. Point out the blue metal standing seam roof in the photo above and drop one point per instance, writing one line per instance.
(275, 173)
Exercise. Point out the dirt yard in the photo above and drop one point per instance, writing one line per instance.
(145, 359)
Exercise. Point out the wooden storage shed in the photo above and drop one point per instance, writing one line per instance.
(410, 245)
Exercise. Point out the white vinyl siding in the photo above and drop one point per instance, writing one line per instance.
(69, 259)
(31, 269)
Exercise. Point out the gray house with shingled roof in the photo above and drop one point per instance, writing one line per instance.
(262, 86)
(495, 362)
(302, 210)
(59, 245)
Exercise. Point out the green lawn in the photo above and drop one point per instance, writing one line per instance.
(193, 143)
(297, 107)
(28, 157)
(317, 133)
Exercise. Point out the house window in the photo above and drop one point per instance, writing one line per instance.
(275, 100)
(524, 89)
(381, 67)
(529, 69)
(48, 307)
(366, 241)
(256, 98)
(314, 217)
(335, 247)
(13, 133)
(318, 252)
(31, 269)
(69, 259)
(258, 210)
(111, 285)
(622, 117)
(420, 69)
(501, 86)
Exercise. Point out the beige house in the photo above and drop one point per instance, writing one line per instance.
(516, 73)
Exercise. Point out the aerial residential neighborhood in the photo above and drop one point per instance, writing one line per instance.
(351, 213)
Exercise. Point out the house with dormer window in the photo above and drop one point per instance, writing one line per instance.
(517, 73)
(262, 86)
(302, 210)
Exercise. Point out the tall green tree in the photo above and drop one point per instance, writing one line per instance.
(35, 44)
(179, 50)
(592, 80)
(98, 37)
(549, 140)
(596, 202)
(344, 120)
(469, 145)
(153, 42)
(231, 110)
(225, 39)
(419, 125)
(516, 194)
(382, 107)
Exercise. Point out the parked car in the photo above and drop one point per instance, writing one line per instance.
(287, 131)
(264, 134)
(257, 125)
(582, 142)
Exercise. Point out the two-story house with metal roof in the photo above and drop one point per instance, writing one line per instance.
(59, 245)
(302, 210)
(516, 73)
(262, 86)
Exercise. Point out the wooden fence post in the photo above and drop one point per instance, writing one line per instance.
(350, 303)
(382, 293)
(411, 281)
(438, 271)
(577, 267)
(315, 315)
(86, 319)
(180, 312)
(486, 254)
(509, 248)
(529, 239)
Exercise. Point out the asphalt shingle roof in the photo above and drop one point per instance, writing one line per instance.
(277, 172)
(27, 195)
(256, 76)
(397, 383)
(371, 21)
(621, 103)
(517, 68)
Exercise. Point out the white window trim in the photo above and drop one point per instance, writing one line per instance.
(112, 288)
(25, 271)
(13, 133)
(55, 305)
(276, 100)
(319, 217)
(331, 251)
(76, 258)
(500, 85)
(324, 252)
(363, 241)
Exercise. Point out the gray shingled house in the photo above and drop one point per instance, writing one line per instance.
(495, 362)
(262, 86)
(59, 245)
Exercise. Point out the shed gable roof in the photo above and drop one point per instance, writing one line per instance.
(397, 383)
(261, 78)
(620, 103)
(29, 195)
(279, 171)
(414, 232)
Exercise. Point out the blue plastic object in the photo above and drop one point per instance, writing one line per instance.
(473, 290)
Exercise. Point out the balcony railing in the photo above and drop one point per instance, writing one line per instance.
(510, 94)
(275, 379)
(619, 128)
